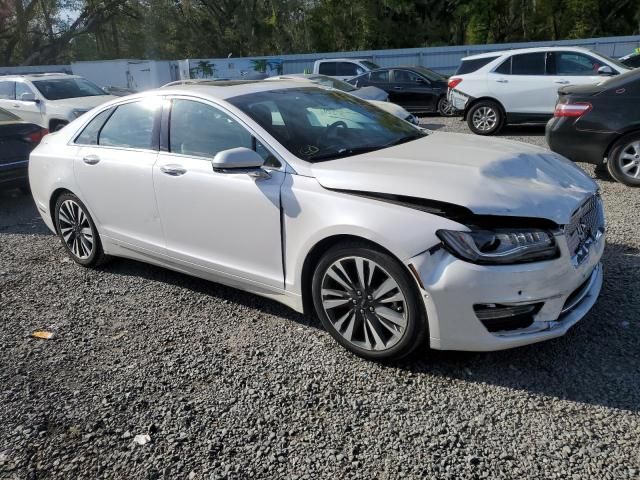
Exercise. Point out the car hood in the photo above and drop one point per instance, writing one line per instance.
(370, 93)
(82, 103)
(487, 176)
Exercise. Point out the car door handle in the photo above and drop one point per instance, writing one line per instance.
(91, 159)
(397, 87)
(173, 170)
(562, 82)
(502, 80)
(16, 105)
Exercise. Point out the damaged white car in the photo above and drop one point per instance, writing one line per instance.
(397, 238)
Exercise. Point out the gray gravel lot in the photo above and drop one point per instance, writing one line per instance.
(229, 385)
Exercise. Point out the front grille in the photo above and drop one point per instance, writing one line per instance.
(587, 223)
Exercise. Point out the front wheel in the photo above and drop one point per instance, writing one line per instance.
(445, 108)
(77, 231)
(624, 160)
(485, 118)
(368, 302)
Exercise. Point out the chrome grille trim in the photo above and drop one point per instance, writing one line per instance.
(585, 228)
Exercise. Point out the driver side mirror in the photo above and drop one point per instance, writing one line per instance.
(421, 81)
(605, 70)
(28, 97)
(235, 160)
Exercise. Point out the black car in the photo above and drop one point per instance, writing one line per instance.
(417, 89)
(632, 60)
(600, 124)
(17, 139)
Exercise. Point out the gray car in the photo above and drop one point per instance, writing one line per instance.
(365, 93)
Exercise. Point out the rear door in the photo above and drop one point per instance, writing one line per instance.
(8, 95)
(521, 85)
(114, 170)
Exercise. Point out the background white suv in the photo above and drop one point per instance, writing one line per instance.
(50, 100)
(521, 86)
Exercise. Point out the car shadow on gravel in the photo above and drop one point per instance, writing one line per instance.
(19, 214)
(597, 362)
(522, 131)
(128, 267)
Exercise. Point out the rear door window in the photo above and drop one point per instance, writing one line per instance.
(528, 64)
(504, 68)
(90, 134)
(381, 76)
(7, 90)
(405, 76)
(327, 68)
(470, 66)
(132, 125)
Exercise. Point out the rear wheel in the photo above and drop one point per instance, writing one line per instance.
(367, 301)
(624, 160)
(445, 108)
(485, 118)
(77, 231)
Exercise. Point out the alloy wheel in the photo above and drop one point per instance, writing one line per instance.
(485, 119)
(75, 229)
(629, 160)
(445, 108)
(364, 303)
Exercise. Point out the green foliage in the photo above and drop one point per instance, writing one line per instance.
(51, 31)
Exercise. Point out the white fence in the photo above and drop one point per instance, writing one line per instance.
(144, 74)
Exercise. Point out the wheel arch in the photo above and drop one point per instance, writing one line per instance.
(315, 254)
(635, 130)
(54, 122)
(52, 203)
(475, 101)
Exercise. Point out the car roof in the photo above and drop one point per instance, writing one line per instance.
(228, 89)
(342, 60)
(38, 76)
(526, 50)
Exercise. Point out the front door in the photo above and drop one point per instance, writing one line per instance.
(224, 222)
(114, 167)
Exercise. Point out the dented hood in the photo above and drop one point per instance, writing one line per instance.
(488, 176)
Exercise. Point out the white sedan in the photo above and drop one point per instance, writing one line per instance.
(395, 237)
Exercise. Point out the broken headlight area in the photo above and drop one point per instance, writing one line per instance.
(500, 246)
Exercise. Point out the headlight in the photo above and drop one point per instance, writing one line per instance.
(500, 246)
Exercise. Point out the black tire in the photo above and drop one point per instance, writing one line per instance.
(96, 257)
(624, 160)
(406, 339)
(445, 109)
(492, 114)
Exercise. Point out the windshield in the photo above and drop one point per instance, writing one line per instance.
(611, 60)
(369, 65)
(318, 125)
(60, 88)
(430, 74)
(333, 83)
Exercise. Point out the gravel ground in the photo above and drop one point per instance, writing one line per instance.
(229, 385)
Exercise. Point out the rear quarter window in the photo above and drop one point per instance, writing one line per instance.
(470, 66)
(327, 68)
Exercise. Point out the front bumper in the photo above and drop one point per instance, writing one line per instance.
(451, 288)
